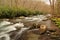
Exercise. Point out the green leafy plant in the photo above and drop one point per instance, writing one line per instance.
(56, 21)
(7, 12)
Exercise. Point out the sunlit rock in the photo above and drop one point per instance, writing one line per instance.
(43, 28)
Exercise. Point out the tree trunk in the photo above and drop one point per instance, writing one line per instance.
(52, 7)
(58, 7)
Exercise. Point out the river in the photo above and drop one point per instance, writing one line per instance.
(9, 25)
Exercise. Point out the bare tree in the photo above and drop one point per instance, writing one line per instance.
(16, 3)
(52, 2)
(58, 7)
(11, 4)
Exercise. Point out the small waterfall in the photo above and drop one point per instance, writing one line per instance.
(36, 18)
(5, 37)
(6, 27)
(20, 33)
(2, 23)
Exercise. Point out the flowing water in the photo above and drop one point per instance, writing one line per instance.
(6, 27)
(19, 34)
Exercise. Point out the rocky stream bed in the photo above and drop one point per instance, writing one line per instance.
(29, 28)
